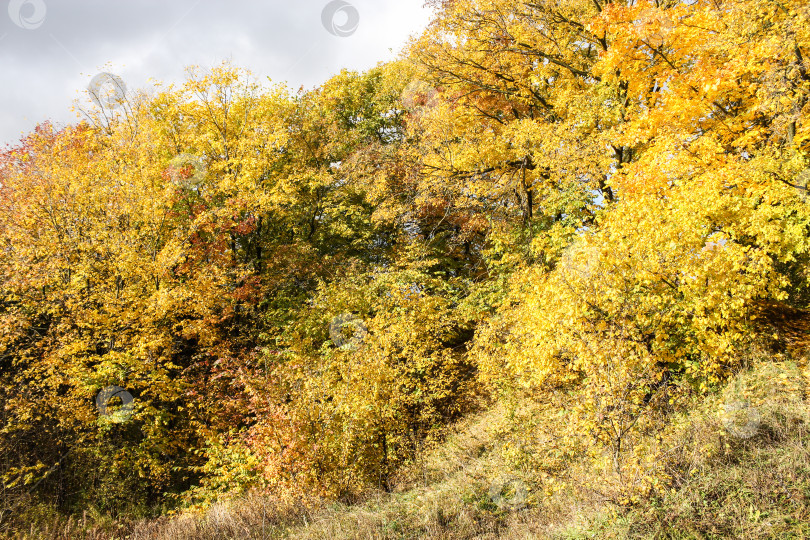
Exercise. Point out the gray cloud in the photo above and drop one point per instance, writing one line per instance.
(48, 66)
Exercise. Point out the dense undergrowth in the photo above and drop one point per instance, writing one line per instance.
(546, 275)
(476, 485)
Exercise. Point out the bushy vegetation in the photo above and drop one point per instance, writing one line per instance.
(545, 275)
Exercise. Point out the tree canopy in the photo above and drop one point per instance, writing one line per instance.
(578, 200)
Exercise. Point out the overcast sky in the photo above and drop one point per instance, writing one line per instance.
(51, 49)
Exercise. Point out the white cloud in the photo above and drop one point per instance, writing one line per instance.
(46, 68)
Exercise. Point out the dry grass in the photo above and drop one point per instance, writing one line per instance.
(448, 495)
(249, 517)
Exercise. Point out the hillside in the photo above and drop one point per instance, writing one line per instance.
(473, 485)
(545, 275)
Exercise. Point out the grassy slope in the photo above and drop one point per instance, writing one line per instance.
(757, 487)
